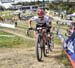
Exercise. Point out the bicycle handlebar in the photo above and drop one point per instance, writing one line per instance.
(35, 28)
(31, 28)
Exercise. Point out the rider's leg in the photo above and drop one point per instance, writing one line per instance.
(48, 33)
(49, 39)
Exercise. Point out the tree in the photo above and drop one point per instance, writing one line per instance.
(2, 8)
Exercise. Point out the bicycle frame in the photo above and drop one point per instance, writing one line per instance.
(42, 31)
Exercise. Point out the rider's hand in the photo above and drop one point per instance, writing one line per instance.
(30, 27)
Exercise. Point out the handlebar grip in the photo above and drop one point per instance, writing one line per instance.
(30, 28)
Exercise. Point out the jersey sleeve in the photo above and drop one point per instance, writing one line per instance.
(50, 19)
(34, 18)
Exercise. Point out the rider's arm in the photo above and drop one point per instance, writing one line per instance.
(30, 23)
(32, 19)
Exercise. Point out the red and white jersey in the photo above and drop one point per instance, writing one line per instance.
(46, 19)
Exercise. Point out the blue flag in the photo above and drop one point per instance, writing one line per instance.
(69, 46)
(70, 49)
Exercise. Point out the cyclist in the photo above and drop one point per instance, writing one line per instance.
(43, 19)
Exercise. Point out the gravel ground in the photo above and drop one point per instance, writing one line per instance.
(25, 58)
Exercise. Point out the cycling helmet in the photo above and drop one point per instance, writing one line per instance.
(40, 12)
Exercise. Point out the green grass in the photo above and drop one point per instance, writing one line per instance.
(6, 13)
(18, 42)
(57, 41)
(14, 41)
(7, 17)
(9, 42)
(64, 59)
(65, 27)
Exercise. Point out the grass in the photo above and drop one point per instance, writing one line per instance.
(6, 13)
(9, 42)
(4, 33)
(64, 59)
(14, 41)
(57, 41)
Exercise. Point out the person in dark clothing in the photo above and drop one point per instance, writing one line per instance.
(16, 24)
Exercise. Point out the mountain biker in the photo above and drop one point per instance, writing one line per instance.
(42, 18)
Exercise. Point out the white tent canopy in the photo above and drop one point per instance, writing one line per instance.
(71, 15)
(6, 5)
(7, 25)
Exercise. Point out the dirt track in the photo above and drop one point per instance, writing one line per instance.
(25, 58)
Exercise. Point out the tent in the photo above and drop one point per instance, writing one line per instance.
(7, 25)
(71, 15)
(6, 5)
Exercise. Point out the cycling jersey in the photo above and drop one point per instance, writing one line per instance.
(46, 19)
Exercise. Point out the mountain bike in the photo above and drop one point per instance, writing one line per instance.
(43, 43)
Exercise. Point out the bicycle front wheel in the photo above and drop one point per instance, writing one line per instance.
(39, 47)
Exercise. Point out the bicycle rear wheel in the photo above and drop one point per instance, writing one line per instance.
(45, 50)
(49, 44)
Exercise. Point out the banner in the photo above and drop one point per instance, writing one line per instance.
(7, 25)
(69, 47)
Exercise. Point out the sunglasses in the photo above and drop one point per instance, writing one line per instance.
(40, 17)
